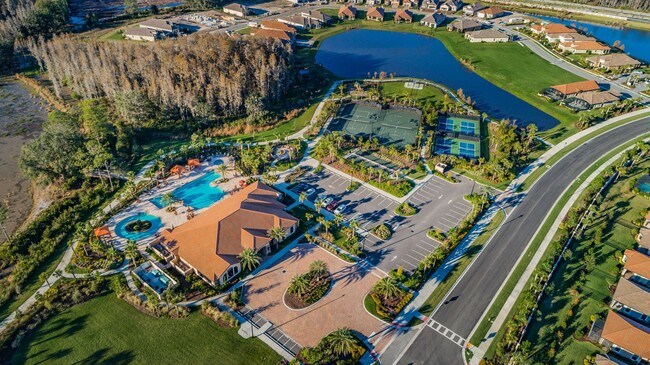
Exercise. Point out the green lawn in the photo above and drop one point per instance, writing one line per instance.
(107, 330)
(114, 35)
(624, 206)
(391, 90)
(443, 288)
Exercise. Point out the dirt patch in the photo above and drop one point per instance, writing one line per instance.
(21, 117)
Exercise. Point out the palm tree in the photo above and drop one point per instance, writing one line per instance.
(4, 212)
(276, 233)
(342, 341)
(338, 218)
(387, 287)
(161, 167)
(327, 225)
(223, 170)
(298, 285)
(111, 255)
(131, 250)
(43, 278)
(354, 225)
(302, 197)
(168, 199)
(318, 268)
(429, 261)
(249, 259)
(319, 205)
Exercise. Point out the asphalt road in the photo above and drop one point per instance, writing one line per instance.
(471, 297)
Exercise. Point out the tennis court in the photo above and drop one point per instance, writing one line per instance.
(396, 126)
(457, 147)
(459, 125)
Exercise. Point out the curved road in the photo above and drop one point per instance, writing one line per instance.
(474, 292)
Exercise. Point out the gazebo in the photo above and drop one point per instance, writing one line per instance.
(177, 170)
(102, 233)
(193, 162)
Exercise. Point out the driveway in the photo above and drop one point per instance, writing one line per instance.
(342, 306)
(441, 205)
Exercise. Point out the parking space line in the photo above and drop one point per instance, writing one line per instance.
(450, 221)
(442, 225)
(455, 215)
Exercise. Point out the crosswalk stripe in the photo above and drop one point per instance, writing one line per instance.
(448, 333)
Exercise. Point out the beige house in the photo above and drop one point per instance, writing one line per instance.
(614, 61)
(347, 12)
(464, 25)
(632, 300)
(471, 9)
(433, 20)
(209, 244)
(490, 13)
(584, 47)
(451, 6)
(376, 14)
(403, 16)
(236, 10)
(141, 34)
(487, 35)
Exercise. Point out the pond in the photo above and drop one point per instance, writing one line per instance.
(356, 53)
(637, 42)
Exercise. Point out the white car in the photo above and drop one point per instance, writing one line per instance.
(310, 191)
(340, 209)
(327, 200)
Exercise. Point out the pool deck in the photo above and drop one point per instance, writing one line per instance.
(170, 220)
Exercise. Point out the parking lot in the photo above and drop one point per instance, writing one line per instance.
(441, 205)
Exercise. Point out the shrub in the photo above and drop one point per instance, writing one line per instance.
(437, 235)
(318, 168)
(353, 186)
(382, 231)
(405, 210)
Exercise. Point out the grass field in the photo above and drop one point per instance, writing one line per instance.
(445, 286)
(503, 295)
(396, 90)
(107, 330)
(624, 207)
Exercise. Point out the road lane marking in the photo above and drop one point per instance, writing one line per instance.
(448, 333)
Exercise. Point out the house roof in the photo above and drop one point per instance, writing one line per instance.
(475, 7)
(161, 24)
(403, 14)
(574, 37)
(487, 33)
(637, 263)
(375, 12)
(627, 334)
(277, 25)
(552, 28)
(273, 33)
(193, 162)
(211, 241)
(236, 7)
(586, 46)
(463, 24)
(102, 231)
(576, 87)
(615, 60)
(455, 3)
(140, 32)
(317, 15)
(602, 360)
(598, 97)
(301, 21)
(436, 18)
(491, 11)
(633, 295)
(348, 10)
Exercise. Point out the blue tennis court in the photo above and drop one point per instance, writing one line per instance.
(467, 127)
(467, 149)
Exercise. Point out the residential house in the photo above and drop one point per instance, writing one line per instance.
(282, 35)
(374, 2)
(452, 6)
(347, 12)
(584, 47)
(395, 3)
(357, 2)
(407, 4)
(572, 89)
(464, 25)
(490, 13)
(433, 20)
(637, 267)
(141, 34)
(646, 222)
(430, 5)
(209, 244)
(403, 16)
(614, 61)
(632, 300)
(300, 22)
(376, 14)
(591, 100)
(316, 15)
(471, 9)
(277, 25)
(164, 27)
(487, 35)
(603, 360)
(643, 238)
(236, 10)
(626, 338)
(551, 28)
(568, 37)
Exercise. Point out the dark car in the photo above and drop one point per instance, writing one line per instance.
(331, 206)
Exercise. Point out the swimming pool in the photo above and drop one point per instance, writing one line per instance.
(197, 193)
(120, 228)
(644, 184)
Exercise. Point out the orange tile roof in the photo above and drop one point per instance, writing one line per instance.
(375, 12)
(211, 242)
(402, 14)
(637, 263)
(553, 28)
(348, 10)
(491, 11)
(587, 46)
(272, 33)
(278, 25)
(627, 334)
(193, 162)
(176, 169)
(102, 231)
(576, 87)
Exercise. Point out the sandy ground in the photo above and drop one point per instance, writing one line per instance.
(21, 116)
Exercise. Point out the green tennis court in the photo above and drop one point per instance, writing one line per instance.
(460, 125)
(398, 126)
(457, 147)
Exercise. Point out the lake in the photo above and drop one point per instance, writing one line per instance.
(356, 53)
(637, 42)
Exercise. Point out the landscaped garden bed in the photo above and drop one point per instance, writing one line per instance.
(137, 226)
(342, 346)
(340, 236)
(387, 299)
(308, 288)
(405, 210)
(382, 231)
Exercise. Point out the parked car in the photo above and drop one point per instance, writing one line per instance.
(332, 205)
(340, 209)
(310, 191)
